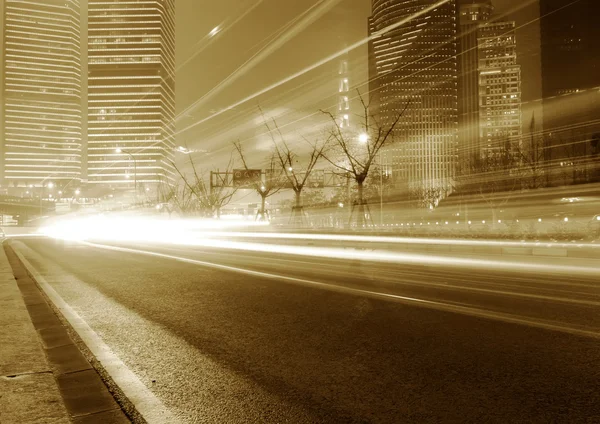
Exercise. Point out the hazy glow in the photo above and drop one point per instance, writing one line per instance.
(201, 233)
(135, 228)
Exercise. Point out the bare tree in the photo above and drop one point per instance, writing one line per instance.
(210, 198)
(532, 160)
(355, 153)
(296, 173)
(496, 179)
(177, 198)
(270, 182)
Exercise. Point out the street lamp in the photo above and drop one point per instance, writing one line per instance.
(50, 185)
(363, 138)
(119, 150)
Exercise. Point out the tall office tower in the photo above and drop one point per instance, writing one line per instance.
(570, 84)
(41, 108)
(499, 89)
(131, 93)
(473, 13)
(415, 64)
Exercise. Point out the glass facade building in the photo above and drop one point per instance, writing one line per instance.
(499, 89)
(415, 63)
(131, 92)
(472, 16)
(41, 106)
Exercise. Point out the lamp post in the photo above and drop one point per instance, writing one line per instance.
(50, 185)
(119, 150)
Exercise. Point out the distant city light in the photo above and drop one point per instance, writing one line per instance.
(341, 205)
(566, 219)
(77, 192)
(363, 138)
(118, 150)
(539, 219)
(50, 185)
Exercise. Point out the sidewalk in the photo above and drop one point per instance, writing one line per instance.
(44, 378)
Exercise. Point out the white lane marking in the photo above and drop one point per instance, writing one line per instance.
(145, 402)
(371, 255)
(446, 307)
(455, 287)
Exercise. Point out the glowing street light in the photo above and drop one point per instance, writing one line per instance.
(363, 138)
(566, 219)
(77, 192)
(50, 185)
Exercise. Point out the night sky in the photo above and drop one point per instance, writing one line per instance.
(247, 26)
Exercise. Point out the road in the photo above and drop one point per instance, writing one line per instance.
(269, 338)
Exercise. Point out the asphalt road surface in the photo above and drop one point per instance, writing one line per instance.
(315, 340)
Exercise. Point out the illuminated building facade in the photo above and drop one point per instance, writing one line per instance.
(41, 110)
(472, 15)
(131, 92)
(416, 64)
(499, 89)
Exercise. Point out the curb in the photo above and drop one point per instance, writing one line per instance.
(86, 398)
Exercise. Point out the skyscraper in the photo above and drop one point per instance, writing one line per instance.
(499, 89)
(473, 14)
(415, 64)
(131, 94)
(41, 94)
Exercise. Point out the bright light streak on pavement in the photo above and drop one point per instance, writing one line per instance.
(264, 337)
(198, 233)
(422, 302)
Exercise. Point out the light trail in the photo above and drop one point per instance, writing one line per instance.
(436, 305)
(304, 20)
(316, 65)
(199, 233)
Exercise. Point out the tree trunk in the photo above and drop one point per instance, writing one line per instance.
(298, 199)
(361, 206)
(262, 211)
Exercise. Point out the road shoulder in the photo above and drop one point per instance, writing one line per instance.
(47, 378)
